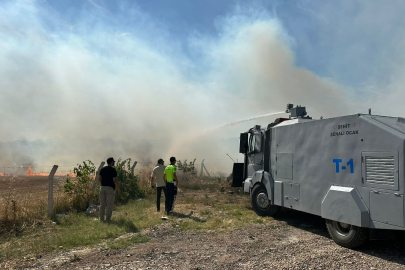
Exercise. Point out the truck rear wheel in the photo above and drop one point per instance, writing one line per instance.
(347, 235)
(261, 203)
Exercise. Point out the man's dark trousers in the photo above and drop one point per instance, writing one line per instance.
(170, 195)
(174, 198)
(158, 195)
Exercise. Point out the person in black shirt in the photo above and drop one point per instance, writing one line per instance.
(108, 182)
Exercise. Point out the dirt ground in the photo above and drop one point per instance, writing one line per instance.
(294, 240)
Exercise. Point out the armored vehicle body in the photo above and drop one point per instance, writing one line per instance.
(348, 170)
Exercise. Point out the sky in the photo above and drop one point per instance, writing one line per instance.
(157, 76)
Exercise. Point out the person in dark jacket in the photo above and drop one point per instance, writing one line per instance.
(108, 182)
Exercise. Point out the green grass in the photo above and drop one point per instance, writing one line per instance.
(78, 230)
(219, 216)
(189, 200)
(197, 211)
(259, 221)
(200, 186)
(206, 212)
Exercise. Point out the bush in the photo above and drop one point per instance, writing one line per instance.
(129, 184)
(80, 188)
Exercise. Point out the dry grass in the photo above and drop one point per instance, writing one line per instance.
(25, 228)
(76, 230)
(23, 202)
(144, 174)
(211, 210)
(200, 206)
(202, 210)
(24, 199)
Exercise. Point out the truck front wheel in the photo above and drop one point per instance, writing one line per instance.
(347, 235)
(261, 203)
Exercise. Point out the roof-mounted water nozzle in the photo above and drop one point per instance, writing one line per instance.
(289, 107)
(297, 112)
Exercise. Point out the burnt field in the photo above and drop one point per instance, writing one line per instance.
(20, 186)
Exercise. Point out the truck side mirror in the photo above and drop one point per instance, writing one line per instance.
(243, 143)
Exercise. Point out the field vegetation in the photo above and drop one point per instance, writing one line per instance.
(23, 202)
(203, 204)
(23, 199)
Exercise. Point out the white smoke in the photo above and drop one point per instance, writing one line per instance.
(98, 80)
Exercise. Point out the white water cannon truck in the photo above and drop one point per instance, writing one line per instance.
(349, 170)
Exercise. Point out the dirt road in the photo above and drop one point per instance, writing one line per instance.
(292, 241)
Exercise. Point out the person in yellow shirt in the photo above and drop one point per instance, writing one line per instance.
(172, 183)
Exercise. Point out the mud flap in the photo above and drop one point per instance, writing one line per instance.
(237, 175)
(247, 185)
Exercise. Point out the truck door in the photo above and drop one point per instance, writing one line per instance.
(255, 153)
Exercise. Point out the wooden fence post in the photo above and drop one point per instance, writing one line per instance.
(95, 182)
(50, 190)
(202, 168)
(133, 168)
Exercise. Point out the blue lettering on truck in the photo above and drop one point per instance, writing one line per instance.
(338, 166)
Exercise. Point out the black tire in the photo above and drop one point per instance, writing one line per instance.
(347, 235)
(261, 204)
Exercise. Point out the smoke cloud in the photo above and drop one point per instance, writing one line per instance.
(119, 85)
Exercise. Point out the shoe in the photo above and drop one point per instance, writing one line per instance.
(171, 213)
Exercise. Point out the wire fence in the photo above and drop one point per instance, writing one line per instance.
(35, 170)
